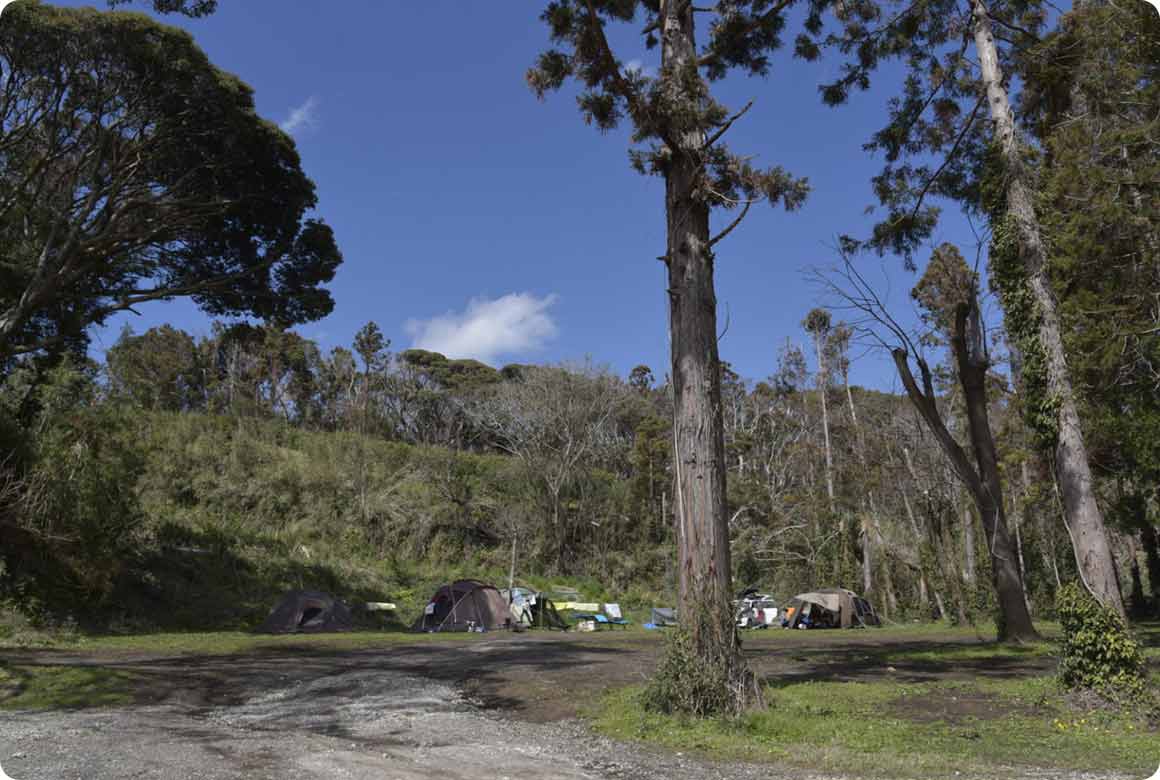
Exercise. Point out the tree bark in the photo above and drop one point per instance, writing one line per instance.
(1081, 512)
(969, 346)
(698, 429)
(970, 564)
(823, 381)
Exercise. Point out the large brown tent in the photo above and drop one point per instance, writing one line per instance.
(306, 611)
(831, 608)
(465, 605)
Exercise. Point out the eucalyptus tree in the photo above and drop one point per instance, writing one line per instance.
(952, 134)
(678, 132)
(818, 324)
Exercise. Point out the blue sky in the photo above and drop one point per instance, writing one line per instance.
(473, 217)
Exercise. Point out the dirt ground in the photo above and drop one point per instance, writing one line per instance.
(501, 707)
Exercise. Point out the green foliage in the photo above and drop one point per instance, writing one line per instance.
(70, 514)
(1097, 204)
(1023, 318)
(213, 207)
(685, 683)
(1098, 652)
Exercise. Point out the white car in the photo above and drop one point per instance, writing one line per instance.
(756, 610)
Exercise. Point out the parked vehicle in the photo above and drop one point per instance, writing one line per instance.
(755, 610)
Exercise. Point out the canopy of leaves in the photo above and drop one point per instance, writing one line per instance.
(935, 141)
(131, 169)
(1100, 206)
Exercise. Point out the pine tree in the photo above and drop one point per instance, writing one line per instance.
(678, 128)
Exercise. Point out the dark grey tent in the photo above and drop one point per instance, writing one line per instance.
(830, 608)
(663, 616)
(307, 611)
(465, 605)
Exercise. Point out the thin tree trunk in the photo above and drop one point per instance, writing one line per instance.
(918, 536)
(1081, 512)
(970, 564)
(1047, 550)
(512, 568)
(698, 429)
(823, 380)
(1019, 549)
(923, 597)
(867, 562)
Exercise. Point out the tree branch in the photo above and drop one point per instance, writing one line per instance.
(725, 127)
(731, 226)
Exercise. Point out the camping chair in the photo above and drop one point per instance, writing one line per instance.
(614, 617)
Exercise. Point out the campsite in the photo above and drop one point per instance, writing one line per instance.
(917, 702)
(582, 389)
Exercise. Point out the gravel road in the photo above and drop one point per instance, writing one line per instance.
(503, 707)
(358, 724)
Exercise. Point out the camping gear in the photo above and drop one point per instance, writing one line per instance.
(465, 605)
(614, 616)
(754, 609)
(579, 606)
(533, 610)
(661, 617)
(598, 619)
(830, 608)
(306, 611)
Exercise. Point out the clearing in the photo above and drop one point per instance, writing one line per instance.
(904, 702)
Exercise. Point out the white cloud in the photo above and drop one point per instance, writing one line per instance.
(302, 118)
(515, 323)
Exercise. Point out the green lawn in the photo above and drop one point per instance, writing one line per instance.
(888, 729)
(62, 687)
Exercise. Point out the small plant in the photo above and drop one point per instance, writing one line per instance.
(1098, 652)
(685, 684)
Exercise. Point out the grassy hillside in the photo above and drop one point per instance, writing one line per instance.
(234, 511)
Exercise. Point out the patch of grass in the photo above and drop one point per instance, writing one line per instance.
(237, 642)
(63, 687)
(979, 652)
(888, 729)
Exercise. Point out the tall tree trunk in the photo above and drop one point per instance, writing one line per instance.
(823, 381)
(969, 345)
(698, 430)
(1081, 513)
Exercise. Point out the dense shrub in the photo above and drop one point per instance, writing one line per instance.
(1098, 651)
(685, 684)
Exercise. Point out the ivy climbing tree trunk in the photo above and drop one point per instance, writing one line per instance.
(1019, 267)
